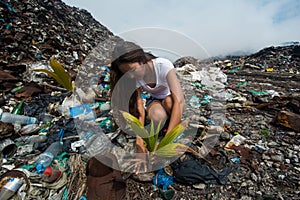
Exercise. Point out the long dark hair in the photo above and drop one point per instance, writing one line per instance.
(126, 52)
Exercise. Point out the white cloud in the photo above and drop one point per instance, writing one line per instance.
(220, 26)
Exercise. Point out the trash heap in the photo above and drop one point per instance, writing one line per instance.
(38, 30)
(260, 131)
(38, 158)
(243, 112)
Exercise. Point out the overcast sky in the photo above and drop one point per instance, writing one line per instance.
(219, 26)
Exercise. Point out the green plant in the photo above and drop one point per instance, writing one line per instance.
(59, 74)
(165, 147)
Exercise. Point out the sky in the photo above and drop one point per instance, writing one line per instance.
(196, 27)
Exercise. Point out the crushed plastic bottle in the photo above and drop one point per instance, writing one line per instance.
(83, 112)
(107, 124)
(16, 119)
(96, 143)
(103, 106)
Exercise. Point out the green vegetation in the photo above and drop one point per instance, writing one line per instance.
(166, 147)
(59, 74)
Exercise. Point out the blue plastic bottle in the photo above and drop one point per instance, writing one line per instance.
(46, 158)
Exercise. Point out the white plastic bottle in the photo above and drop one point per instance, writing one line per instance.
(10, 188)
(16, 119)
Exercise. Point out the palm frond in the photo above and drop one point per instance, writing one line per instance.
(171, 150)
(171, 136)
(59, 74)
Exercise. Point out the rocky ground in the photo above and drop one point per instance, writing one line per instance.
(255, 96)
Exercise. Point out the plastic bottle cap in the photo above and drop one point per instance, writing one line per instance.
(48, 171)
(39, 168)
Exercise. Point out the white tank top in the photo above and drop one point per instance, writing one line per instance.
(161, 67)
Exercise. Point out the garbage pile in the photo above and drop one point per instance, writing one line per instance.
(260, 131)
(37, 155)
(37, 30)
(244, 112)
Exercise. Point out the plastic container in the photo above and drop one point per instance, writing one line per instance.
(10, 188)
(16, 119)
(46, 158)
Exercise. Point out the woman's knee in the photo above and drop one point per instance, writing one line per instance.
(157, 113)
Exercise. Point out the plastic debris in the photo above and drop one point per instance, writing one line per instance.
(235, 140)
(19, 119)
(162, 179)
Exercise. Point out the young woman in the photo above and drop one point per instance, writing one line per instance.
(144, 72)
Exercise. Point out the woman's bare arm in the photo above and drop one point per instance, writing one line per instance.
(178, 99)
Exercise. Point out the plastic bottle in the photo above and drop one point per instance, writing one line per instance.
(36, 138)
(10, 188)
(46, 158)
(16, 119)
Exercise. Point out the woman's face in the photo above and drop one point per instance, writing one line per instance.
(133, 70)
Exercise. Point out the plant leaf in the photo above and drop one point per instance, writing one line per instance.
(152, 138)
(152, 128)
(157, 130)
(130, 118)
(136, 127)
(171, 150)
(52, 74)
(61, 72)
(171, 136)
